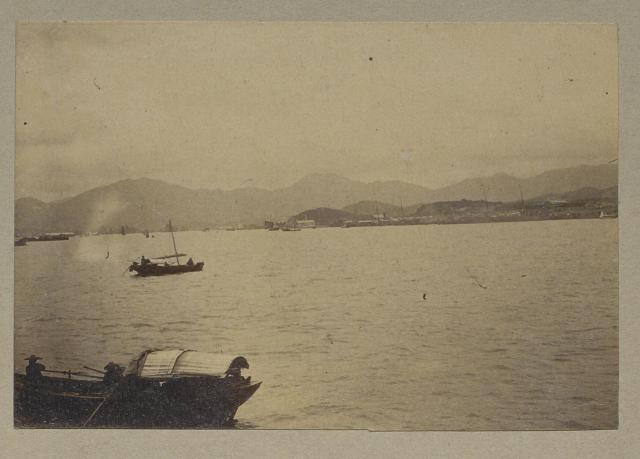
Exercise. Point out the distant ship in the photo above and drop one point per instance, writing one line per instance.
(147, 267)
(272, 226)
(50, 237)
(306, 224)
(292, 225)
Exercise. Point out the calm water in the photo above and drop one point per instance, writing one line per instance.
(334, 322)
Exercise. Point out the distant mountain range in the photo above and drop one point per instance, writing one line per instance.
(148, 204)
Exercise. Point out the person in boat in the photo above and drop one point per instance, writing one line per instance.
(112, 373)
(34, 369)
(143, 260)
(236, 366)
(190, 262)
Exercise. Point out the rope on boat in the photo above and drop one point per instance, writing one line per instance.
(108, 396)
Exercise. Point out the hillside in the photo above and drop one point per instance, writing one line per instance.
(148, 204)
(368, 208)
(324, 216)
(584, 194)
(365, 210)
(505, 188)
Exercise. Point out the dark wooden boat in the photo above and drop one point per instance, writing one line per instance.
(291, 225)
(160, 389)
(154, 267)
(50, 237)
(160, 269)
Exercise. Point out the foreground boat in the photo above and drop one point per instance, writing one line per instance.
(159, 389)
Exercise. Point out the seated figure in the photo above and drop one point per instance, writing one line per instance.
(34, 369)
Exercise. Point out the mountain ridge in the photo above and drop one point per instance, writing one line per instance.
(146, 203)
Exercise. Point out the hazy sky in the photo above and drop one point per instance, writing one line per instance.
(224, 105)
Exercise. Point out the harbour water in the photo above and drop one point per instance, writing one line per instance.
(440, 327)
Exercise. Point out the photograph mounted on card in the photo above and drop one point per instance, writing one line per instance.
(384, 226)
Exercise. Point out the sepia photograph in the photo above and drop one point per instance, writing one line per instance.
(382, 226)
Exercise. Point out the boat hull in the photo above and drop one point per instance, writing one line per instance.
(55, 402)
(191, 402)
(153, 269)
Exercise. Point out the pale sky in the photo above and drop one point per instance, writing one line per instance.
(225, 105)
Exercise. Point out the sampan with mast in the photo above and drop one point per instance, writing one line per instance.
(152, 267)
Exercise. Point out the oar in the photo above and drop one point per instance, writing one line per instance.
(93, 369)
(58, 371)
(85, 375)
(70, 373)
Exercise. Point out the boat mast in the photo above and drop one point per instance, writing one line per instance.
(174, 242)
(522, 211)
(486, 200)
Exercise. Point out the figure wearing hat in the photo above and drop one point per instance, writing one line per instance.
(235, 369)
(34, 369)
(113, 373)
